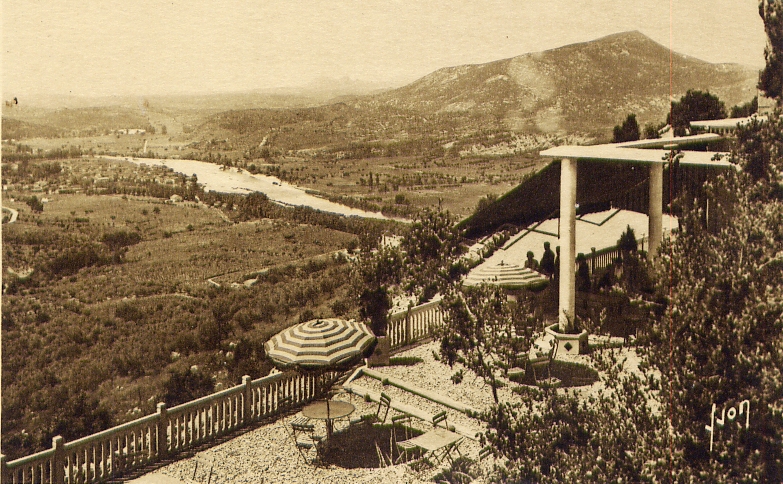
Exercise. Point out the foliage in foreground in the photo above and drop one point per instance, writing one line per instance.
(561, 436)
(484, 333)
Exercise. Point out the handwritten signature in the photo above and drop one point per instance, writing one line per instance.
(731, 414)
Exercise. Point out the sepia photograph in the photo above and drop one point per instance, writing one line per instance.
(391, 242)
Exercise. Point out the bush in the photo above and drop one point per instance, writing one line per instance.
(185, 386)
(128, 312)
(34, 204)
(73, 260)
(627, 241)
(121, 238)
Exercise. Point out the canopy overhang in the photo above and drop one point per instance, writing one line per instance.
(658, 155)
(622, 154)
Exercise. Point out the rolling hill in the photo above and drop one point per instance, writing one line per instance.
(585, 87)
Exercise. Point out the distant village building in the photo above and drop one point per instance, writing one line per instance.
(131, 131)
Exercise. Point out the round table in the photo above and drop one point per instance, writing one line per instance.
(329, 411)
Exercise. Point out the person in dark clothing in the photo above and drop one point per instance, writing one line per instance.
(557, 263)
(582, 274)
(548, 261)
(531, 263)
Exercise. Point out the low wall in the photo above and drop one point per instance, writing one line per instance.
(133, 445)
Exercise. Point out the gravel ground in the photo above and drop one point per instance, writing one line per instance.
(267, 454)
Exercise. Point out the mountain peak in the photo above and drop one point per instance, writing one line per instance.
(583, 87)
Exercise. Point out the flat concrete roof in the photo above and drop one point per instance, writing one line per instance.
(619, 153)
(680, 141)
(729, 123)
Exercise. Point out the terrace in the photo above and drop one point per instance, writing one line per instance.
(260, 446)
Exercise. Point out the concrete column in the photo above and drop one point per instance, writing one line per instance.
(655, 210)
(5, 475)
(247, 400)
(567, 301)
(162, 432)
(58, 460)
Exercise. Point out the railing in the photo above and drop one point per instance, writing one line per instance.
(113, 452)
(414, 324)
(599, 259)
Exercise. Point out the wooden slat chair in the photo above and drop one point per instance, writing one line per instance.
(404, 422)
(384, 405)
(484, 453)
(306, 440)
(440, 418)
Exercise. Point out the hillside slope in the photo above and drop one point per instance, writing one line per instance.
(583, 87)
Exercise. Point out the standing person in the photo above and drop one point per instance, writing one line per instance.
(557, 263)
(548, 261)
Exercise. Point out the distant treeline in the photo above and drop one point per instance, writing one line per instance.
(258, 205)
(23, 153)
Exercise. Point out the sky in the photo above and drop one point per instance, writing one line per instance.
(142, 47)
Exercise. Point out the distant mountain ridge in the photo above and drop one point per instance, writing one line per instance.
(580, 89)
(576, 88)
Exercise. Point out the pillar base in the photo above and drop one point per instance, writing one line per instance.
(567, 343)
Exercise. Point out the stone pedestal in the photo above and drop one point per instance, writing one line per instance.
(568, 344)
(382, 353)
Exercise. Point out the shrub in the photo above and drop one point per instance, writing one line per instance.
(184, 386)
(405, 360)
(128, 312)
(121, 238)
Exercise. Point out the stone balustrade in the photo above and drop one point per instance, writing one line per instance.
(415, 324)
(113, 452)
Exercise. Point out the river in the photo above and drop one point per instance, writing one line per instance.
(235, 180)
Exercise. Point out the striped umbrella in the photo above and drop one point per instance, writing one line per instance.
(508, 276)
(319, 344)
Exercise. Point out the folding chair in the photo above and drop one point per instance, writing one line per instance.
(384, 405)
(404, 421)
(404, 447)
(440, 418)
(306, 440)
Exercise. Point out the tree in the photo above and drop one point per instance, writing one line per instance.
(745, 110)
(432, 246)
(694, 106)
(721, 341)
(118, 242)
(35, 204)
(771, 78)
(627, 241)
(629, 131)
(651, 131)
(482, 332)
(185, 386)
(371, 279)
